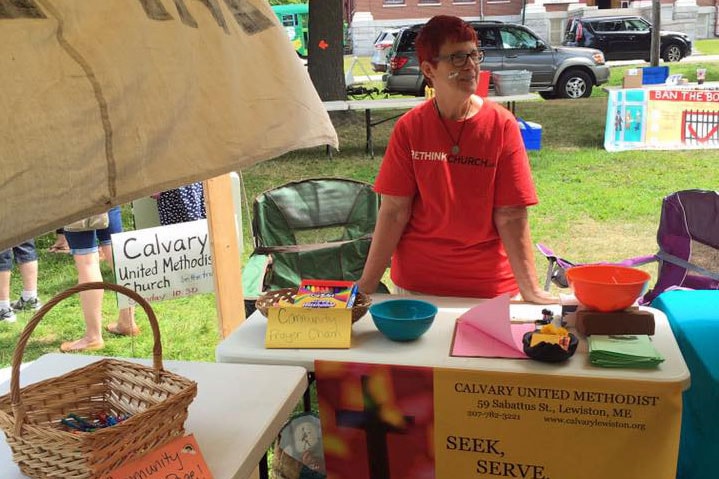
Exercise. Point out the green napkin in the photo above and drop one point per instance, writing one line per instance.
(628, 351)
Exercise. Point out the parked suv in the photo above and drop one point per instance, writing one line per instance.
(625, 38)
(382, 45)
(564, 72)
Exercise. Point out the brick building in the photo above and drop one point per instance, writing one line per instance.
(366, 18)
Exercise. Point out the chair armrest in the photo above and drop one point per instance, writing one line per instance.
(253, 275)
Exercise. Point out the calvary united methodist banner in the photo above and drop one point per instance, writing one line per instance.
(107, 101)
(401, 422)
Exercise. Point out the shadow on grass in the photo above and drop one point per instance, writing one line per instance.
(573, 124)
(36, 346)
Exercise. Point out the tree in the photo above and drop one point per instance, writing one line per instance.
(325, 61)
(656, 36)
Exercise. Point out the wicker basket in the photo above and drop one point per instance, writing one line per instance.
(155, 399)
(271, 298)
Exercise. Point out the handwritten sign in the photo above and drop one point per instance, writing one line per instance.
(178, 459)
(308, 328)
(166, 262)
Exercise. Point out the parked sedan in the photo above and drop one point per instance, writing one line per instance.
(564, 72)
(382, 44)
(625, 38)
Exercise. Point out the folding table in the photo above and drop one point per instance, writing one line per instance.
(238, 411)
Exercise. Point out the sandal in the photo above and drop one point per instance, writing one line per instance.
(59, 249)
(115, 329)
(73, 347)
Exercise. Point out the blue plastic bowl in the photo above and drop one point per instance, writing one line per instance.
(403, 319)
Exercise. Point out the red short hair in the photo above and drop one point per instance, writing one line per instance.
(439, 30)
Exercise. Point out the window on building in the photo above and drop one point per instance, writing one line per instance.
(429, 2)
(393, 2)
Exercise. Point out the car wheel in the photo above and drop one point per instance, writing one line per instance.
(547, 95)
(574, 84)
(421, 91)
(672, 53)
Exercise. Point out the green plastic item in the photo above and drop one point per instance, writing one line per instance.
(318, 228)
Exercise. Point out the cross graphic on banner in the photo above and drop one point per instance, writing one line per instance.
(376, 431)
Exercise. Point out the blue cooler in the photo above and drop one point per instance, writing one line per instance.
(655, 75)
(531, 134)
(694, 319)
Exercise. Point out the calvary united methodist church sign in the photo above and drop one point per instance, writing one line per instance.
(166, 262)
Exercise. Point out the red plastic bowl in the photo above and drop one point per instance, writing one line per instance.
(607, 287)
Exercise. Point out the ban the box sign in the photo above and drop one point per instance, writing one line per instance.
(165, 262)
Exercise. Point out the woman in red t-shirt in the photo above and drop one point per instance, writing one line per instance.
(455, 185)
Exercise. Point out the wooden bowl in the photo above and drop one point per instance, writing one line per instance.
(271, 298)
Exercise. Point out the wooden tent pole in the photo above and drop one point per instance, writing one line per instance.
(226, 260)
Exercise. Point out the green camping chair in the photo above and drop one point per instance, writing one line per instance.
(319, 228)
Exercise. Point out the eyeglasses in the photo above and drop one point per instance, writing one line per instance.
(460, 59)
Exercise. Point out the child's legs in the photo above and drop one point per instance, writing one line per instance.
(28, 272)
(4, 285)
(5, 271)
(60, 240)
(126, 318)
(88, 270)
(84, 251)
(26, 259)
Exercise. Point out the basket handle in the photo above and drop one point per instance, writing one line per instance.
(30, 327)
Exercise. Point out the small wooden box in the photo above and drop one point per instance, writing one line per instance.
(629, 321)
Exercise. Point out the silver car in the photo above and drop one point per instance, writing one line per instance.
(382, 45)
(563, 72)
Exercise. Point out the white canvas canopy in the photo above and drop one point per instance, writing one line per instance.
(107, 101)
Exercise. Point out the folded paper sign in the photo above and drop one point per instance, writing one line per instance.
(486, 330)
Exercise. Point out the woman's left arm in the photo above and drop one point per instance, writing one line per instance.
(512, 224)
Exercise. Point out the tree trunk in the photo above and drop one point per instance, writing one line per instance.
(656, 36)
(325, 62)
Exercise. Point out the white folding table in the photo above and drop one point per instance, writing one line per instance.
(238, 411)
(405, 104)
(247, 345)
(432, 350)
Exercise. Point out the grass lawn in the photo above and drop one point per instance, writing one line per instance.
(594, 205)
(708, 46)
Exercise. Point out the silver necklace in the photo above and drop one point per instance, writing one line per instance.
(455, 144)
